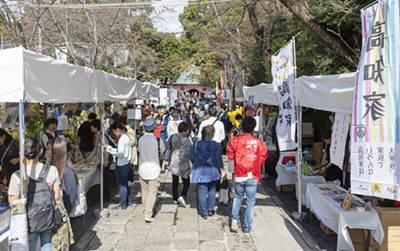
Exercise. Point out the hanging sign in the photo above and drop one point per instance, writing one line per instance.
(284, 88)
(338, 139)
(375, 124)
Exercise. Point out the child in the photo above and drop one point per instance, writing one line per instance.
(3, 189)
(248, 154)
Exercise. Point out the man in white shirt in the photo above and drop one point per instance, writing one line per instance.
(219, 127)
(149, 167)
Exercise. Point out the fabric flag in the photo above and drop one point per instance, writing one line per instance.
(284, 88)
(222, 81)
(230, 74)
(238, 85)
(375, 122)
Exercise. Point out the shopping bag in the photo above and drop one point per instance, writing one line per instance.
(224, 196)
(260, 120)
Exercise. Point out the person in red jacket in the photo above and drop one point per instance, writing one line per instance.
(248, 154)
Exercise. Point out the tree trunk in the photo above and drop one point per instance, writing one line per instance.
(258, 31)
(336, 45)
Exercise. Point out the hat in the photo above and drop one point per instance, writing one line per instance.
(175, 114)
(149, 125)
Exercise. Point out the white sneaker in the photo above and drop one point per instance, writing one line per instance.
(151, 220)
(181, 201)
(234, 226)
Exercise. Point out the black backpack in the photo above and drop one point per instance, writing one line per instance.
(40, 204)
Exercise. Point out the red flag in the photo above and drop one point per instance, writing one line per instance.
(222, 81)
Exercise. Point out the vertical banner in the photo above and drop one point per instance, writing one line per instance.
(238, 84)
(284, 88)
(338, 139)
(375, 122)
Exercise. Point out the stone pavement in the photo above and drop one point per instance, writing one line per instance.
(177, 228)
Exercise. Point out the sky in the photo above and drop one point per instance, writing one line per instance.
(167, 20)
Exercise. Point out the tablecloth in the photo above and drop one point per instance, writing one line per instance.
(288, 176)
(333, 216)
(88, 174)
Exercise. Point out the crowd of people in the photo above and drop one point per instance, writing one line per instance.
(189, 139)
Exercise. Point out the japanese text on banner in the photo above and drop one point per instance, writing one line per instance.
(284, 88)
(375, 123)
(339, 136)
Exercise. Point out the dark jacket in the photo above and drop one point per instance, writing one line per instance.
(86, 136)
(227, 123)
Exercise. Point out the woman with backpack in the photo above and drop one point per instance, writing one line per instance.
(49, 132)
(124, 154)
(63, 235)
(36, 171)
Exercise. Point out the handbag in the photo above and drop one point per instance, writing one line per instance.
(259, 119)
(80, 206)
(224, 196)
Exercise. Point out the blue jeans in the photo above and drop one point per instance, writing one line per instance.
(204, 190)
(122, 173)
(45, 241)
(250, 187)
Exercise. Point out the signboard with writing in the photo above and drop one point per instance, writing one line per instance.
(375, 123)
(338, 139)
(284, 88)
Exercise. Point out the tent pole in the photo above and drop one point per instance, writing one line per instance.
(102, 157)
(299, 141)
(103, 212)
(23, 186)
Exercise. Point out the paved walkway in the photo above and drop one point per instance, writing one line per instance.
(177, 228)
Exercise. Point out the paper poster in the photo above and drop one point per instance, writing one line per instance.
(284, 88)
(135, 114)
(18, 239)
(375, 122)
(338, 139)
(251, 100)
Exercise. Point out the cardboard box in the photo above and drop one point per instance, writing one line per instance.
(393, 234)
(286, 188)
(307, 140)
(393, 246)
(360, 246)
(390, 220)
(326, 229)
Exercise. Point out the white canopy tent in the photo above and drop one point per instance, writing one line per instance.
(31, 77)
(263, 94)
(332, 93)
(44, 79)
(329, 93)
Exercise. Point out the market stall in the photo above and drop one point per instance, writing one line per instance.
(324, 200)
(31, 77)
(289, 176)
